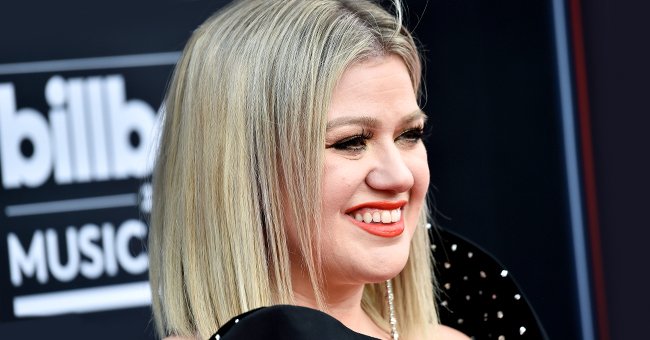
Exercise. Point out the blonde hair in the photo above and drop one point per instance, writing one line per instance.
(242, 153)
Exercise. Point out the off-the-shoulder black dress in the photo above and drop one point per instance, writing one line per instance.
(477, 296)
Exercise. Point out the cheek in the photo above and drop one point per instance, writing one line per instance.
(420, 169)
(421, 174)
(339, 181)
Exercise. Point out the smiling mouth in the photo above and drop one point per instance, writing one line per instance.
(376, 215)
(379, 218)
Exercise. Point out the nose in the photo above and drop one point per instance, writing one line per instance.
(390, 171)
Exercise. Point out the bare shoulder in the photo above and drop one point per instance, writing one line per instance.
(177, 338)
(448, 333)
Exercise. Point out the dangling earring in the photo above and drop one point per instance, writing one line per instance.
(391, 310)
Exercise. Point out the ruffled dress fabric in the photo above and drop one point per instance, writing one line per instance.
(286, 322)
(476, 296)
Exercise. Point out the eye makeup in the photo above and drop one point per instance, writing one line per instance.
(411, 135)
(354, 143)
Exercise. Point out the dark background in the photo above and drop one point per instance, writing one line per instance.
(496, 149)
(617, 55)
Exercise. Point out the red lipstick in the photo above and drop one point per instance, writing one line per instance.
(381, 229)
(383, 205)
(387, 230)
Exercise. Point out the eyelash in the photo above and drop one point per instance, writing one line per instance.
(412, 135)
(357, 142)
(353, 143)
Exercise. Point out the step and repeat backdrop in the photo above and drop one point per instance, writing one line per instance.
(81, 85)
(75, 167)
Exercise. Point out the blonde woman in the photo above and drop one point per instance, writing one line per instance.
(292, 176)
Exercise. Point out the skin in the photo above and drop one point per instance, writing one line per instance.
(375, 98)
(384, 167)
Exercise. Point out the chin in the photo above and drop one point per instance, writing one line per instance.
(389, 266)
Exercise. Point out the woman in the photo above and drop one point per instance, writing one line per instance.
(292, 172)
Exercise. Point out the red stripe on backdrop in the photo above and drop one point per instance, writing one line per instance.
(588, 167)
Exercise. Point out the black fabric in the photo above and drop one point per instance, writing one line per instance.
(286, 322)
(477, 295)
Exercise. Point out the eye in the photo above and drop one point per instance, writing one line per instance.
(412, 135)
(353, 143)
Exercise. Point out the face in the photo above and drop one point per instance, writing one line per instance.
(375, 176)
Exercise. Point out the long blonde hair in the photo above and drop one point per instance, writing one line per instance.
(241, 154)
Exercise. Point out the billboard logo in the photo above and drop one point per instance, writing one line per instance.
(71, 243)
(91, 251)
(94, 134)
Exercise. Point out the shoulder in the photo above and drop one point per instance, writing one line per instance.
(177, 338)
(448, 333)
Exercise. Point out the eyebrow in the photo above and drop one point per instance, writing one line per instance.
(372, 122)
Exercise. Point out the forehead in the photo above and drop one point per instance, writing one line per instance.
(377, 86)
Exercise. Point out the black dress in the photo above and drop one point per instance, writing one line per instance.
(477, 296)
(286, 322)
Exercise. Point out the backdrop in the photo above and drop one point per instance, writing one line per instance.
(80, 87)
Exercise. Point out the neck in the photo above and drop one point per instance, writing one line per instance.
(343, 302)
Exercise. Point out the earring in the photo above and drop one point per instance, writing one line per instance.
(391, 310)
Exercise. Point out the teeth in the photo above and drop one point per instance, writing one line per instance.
(367, 217)
(385, 216)
(395, 215)
(378, 216)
